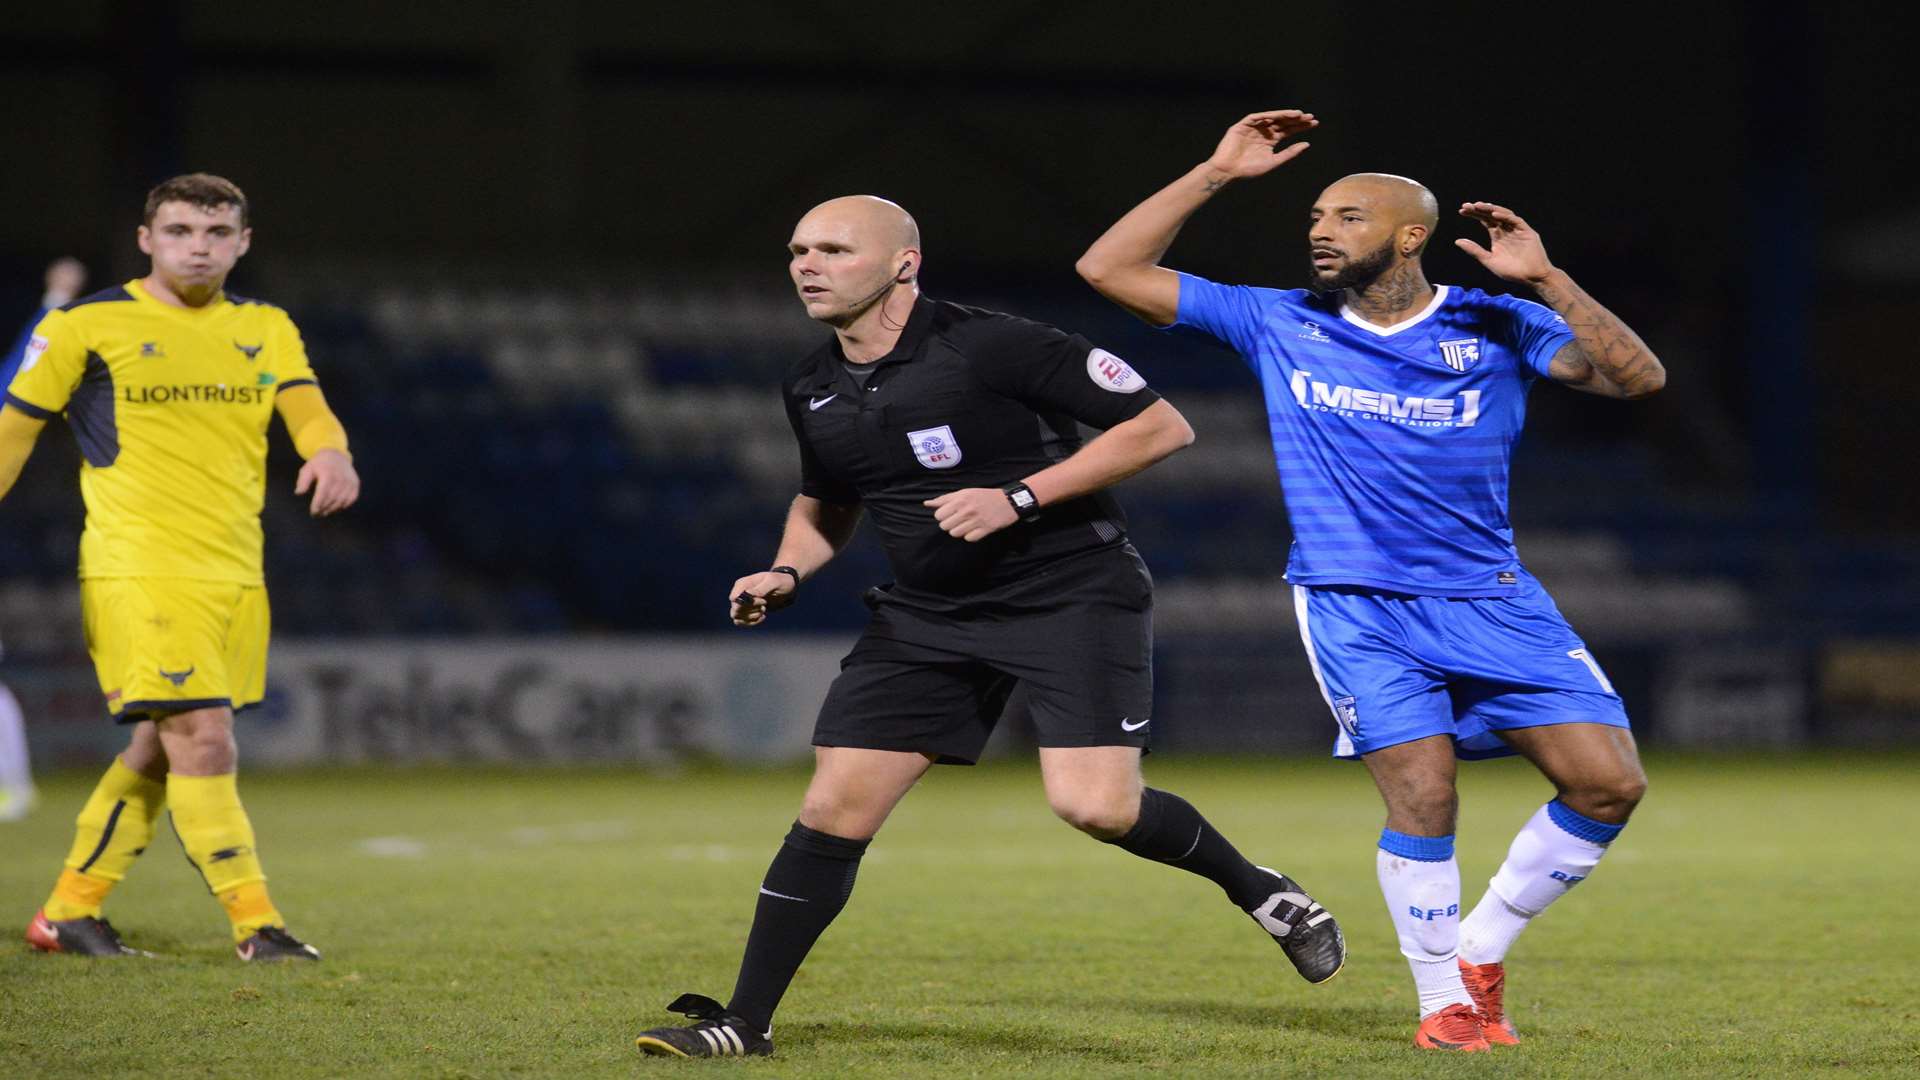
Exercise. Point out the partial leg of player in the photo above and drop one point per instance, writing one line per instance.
(1597, 771)
(1488, 985)
(1098, 789)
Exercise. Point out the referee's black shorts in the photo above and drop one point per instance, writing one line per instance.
(933, 677)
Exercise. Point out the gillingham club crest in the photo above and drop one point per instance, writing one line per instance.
(935, 447)
(1347, 711)
(1461, 354)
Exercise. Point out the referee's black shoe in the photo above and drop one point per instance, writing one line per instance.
(1305, 931)
(715, 1033)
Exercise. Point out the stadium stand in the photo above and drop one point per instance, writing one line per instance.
(590, 457)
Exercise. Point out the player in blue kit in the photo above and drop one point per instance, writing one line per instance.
(1395, 405)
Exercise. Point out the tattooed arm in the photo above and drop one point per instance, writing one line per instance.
(1605, 356)
(1124, 264)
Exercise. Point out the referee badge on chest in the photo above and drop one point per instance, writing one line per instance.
(935, 447)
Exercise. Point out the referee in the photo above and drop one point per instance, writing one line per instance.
(955, 427)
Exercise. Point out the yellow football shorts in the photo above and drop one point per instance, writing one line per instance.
(168, 645)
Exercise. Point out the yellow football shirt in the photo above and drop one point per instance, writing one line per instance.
(170, 407)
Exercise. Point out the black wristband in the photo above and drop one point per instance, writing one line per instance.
(1021, 498)
(786, 570)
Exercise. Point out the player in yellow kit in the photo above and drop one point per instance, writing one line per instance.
(168, 384)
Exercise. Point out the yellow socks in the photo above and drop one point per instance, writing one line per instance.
(112, 830)
(214, 830)
(116, 825)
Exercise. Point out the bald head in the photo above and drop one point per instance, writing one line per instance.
(1401, 200)
(872, 219)
(849, 253)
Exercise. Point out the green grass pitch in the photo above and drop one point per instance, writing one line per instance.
(1758, 919)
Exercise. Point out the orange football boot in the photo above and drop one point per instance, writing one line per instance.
(1488, 985)
(1456, 1027)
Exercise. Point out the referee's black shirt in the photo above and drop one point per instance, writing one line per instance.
(967, 398)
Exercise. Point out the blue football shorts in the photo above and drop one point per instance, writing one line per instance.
(1395, 668)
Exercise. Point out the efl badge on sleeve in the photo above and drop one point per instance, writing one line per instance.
(935, 447)
(1110, 372)
(35, 346)
(1461, 354)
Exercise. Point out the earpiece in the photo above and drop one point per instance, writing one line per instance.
(896, 279)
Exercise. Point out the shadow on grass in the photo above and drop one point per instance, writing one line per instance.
(1368, 1023)
(997, 1039)
(1359, 1024)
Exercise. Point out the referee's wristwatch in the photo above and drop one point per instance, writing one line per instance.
(1021, 497)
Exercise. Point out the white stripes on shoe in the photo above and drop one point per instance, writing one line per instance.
(723, 1041)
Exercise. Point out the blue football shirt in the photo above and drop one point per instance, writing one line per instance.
(1393, 443)
(10, 363)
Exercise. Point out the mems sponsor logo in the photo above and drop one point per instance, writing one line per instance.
(215, 393)
(1380, 405)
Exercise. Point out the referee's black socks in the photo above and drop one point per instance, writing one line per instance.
(806, 886)
(1171, 831)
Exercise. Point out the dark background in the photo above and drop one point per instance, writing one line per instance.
(1736, 181)
(1739, 177)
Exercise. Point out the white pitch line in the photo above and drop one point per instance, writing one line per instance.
(719, 853)
(575, 832)
(578, 832)
(393, 847)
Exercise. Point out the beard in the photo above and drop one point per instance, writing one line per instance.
(1358, 273)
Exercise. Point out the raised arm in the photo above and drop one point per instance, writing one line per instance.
(816, 530)
(1124, 264)
(1605, 356)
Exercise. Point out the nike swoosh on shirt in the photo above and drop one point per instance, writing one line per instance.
(815, 405)
(1124, 726)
